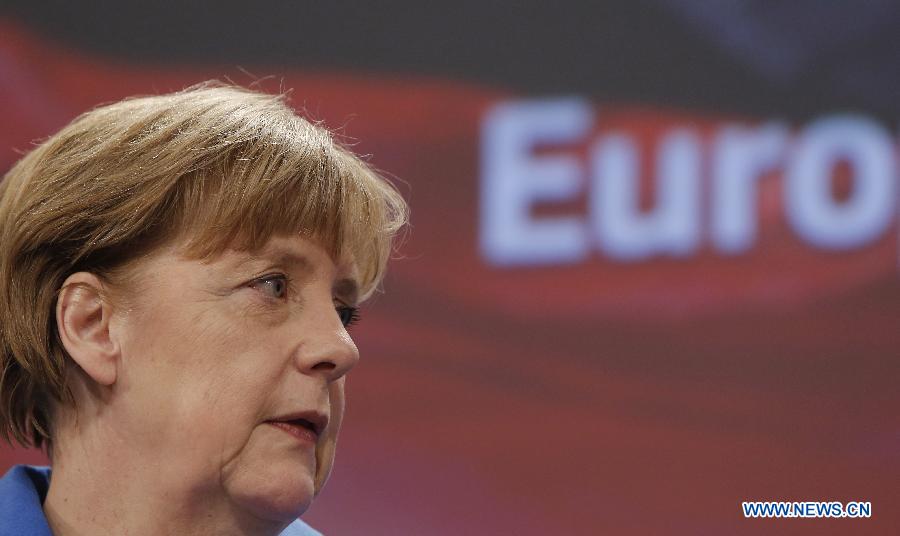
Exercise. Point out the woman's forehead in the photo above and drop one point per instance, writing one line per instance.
(296, 254)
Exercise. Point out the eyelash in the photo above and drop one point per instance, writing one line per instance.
(349, 315)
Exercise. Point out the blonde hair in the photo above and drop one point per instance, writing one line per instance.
(223, 166)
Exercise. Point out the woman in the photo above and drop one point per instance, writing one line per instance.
(177, 277)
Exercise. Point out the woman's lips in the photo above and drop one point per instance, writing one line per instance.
(299, 431)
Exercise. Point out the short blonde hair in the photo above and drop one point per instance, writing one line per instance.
(222, 166)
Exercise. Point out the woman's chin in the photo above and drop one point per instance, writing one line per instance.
(274, 493)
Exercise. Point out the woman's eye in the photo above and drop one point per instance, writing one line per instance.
(348, 315)
(275, 286)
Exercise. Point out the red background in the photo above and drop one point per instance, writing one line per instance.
(640, 398)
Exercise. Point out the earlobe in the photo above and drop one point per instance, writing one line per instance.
(83, 321)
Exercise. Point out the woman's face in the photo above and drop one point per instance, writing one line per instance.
(221, 360)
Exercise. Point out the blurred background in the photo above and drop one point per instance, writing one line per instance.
(653, 269)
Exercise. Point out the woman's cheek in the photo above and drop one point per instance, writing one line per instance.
(325, 450)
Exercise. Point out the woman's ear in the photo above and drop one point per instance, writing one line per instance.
(83, 320)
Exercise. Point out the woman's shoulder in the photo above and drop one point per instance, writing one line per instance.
(299, 528)
(22, 491)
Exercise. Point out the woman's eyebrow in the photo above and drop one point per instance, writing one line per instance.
(290, 259)
(348, 288)
(280, 257)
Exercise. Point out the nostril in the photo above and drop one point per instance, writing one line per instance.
(324, 365)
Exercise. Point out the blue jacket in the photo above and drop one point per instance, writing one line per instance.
(22, 492)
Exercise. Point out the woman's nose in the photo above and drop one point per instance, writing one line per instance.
(326, 348)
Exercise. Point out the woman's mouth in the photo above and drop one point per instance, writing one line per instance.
(301, 429)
